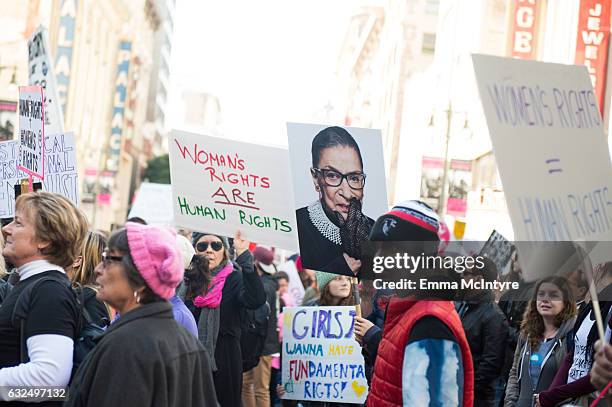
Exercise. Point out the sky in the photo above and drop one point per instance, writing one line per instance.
(268, 61)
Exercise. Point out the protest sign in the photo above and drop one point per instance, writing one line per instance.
(61, 170)
(61, 166)
(153, 203)
(221, 186)
(9, 153)
(31, 131)
(322, 361)
(547, 116)
(333, 168)
(498, 249)
(40, 70)
(296, 289)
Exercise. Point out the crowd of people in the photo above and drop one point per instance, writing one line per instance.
(147, 316)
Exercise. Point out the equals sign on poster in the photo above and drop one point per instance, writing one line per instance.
(553, 165)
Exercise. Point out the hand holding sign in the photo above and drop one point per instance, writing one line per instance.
(240, 245)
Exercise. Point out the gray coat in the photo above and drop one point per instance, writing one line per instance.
(520, 389)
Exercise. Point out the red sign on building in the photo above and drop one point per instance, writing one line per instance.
(523, 29)
(592, 43)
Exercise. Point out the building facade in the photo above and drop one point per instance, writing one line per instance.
(111, 61)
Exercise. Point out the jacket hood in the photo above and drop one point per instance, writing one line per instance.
(566, 327)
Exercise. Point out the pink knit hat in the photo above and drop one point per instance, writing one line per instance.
(156, 256)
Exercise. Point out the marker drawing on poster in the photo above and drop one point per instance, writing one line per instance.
(547, 114)
(60, 166)
(40, 70)
(321, 359)
(222, 186)
(339, 187)
(153, 203)
(31, 131)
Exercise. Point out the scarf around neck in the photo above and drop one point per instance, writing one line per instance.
(210, 315)
(214, 295)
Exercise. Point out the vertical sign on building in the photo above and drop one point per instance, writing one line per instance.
(65, 42)
(592, 43)
(523, 29)
(118, 111)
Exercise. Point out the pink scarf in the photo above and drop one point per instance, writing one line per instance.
(213, 296)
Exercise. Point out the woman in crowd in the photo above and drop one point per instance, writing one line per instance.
(143, 358)
(541, 347)
(216, 300)
(573, 381)
(336, 290)
(43, 239)
(83, 277)
(332, 228)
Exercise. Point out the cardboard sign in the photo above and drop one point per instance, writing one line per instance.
(60, 164)
(295, 283)
(40, 71)
(321, 359)
(153, 203)
(498, 249)
(222, 186)
(546, 116)
(9, 155)
(31, 131)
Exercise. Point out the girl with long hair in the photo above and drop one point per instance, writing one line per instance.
(541, 348)
(83, 277)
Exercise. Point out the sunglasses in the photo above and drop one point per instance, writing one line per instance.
(107, 259)
(203, 246)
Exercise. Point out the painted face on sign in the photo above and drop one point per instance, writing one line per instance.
(338, 178)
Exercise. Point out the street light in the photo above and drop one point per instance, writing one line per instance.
(449, 118)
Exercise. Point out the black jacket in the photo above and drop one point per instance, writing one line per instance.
(486, 331)
(242, 289)
(272, 344)
(5, 287)
(513, 304)
(145, 359)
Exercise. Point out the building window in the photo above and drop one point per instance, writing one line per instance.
(429, 43)
(432, 6)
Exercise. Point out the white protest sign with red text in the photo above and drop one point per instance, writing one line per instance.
(221, 186)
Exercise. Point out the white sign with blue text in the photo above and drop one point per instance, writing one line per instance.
(550, 147)
(321, 360)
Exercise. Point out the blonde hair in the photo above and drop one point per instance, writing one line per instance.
(91, 256)
(56, 221)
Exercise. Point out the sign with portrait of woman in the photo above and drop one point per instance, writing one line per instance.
(339, 189)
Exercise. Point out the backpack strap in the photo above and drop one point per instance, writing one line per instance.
(21, 310)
